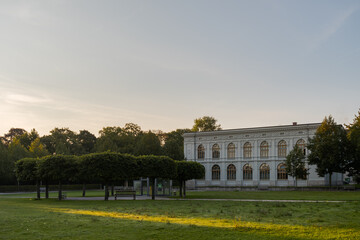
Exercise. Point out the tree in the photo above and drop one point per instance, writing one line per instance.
(156, 167)
(205, 124)
(295, 164)
(353, 134)
(148, 144)
(37, 149)
(12, 134)
(109, 167)
(6, 166)
(27, 169)
(27, 138)
(87, 141)
(329, 148)
(62, 141)
(58, 168)
(187, 170)
(174, 144)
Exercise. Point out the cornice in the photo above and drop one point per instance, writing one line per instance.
(309, 126)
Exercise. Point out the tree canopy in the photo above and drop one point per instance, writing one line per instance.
(329, 148)
(205, 124)
(295, 164)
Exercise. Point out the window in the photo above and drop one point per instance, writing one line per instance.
(264, 150)
(264, 172)
(281, 172)
(301, 144)
(282, 148)
(231, 151)
(247, 172)
(201, 152)
(247, 150)
(231, 172)
(216, 151)
(215, 172)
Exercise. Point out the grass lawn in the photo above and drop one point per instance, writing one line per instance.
(24, 218)
(277, 195)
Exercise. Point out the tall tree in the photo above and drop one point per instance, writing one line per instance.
(27, 138)
(295, 164)
(205, 124)
(6, 166)
(148, 144)
(174, 144)
(37, 149)
(12, 134)
(353, 134)
(87, 141)
(329, 148)
(62, 141)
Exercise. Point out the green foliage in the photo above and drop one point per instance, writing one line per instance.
(37, 149)
(174, 144)
(12, 134)
(6, 166)
(329, 148)
(148, 144)
(58, 168)
(27, 138)
(187, 170)
(353, 134)
(295, 163)
(87, 142)
(205, 124)
(117, 139)
(157, 167)
(62, 141)
(27, 169)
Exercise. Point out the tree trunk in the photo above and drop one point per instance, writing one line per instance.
(181, 192)
(38, 189)
(295, 182)
(112, 189)
(184, 189)
(153, 188)
(84, 190)
(60, 191)
(106, 192)
(330, 175)
(46, 190)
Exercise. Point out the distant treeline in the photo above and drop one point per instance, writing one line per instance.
(130, 139)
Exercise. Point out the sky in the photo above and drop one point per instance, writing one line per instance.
(160, 64)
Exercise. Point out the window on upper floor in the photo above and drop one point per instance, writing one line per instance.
(264, 150)
(231, 151)
(201, 152)
(282, 148)
(247, 150)
(215, 151)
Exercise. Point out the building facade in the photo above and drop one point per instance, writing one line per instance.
(250, 156)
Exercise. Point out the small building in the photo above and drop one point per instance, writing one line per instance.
(251, 156)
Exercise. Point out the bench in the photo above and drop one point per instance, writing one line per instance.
(263, 187)
(63, 196)
(126, 193)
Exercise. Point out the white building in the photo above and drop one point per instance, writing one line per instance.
(251, 156)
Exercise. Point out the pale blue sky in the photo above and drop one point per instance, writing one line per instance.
(161, 64)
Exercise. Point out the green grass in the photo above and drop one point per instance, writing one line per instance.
(277, 195)
(50, 219)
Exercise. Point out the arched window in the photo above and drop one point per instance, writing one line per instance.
(282, 148)
(264, 172)
(247, 172)
(215, 151)
(201, 152)
(215, 172)
(264, 150)
(281, 172)
(301, 144)
(231, 151)
(231, 172)
(247, 150)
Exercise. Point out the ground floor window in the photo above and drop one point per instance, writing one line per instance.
(264, 172)
(281, 172)
(231, 172)
(215, 172)
(247, 172)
